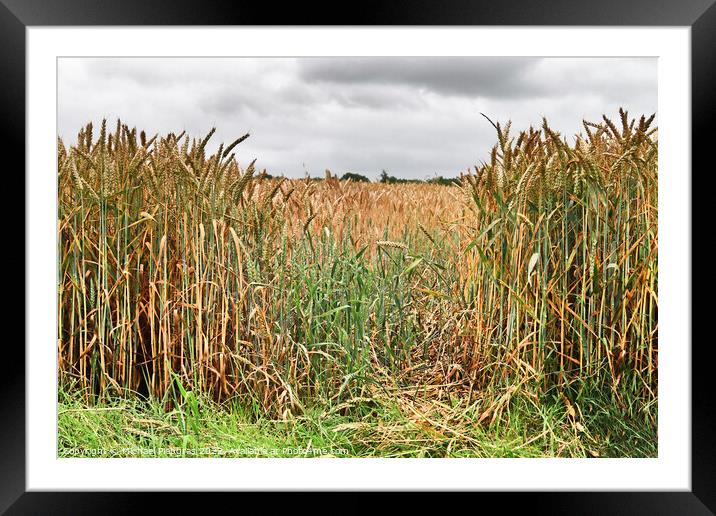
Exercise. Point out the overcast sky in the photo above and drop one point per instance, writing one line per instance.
(414, 117)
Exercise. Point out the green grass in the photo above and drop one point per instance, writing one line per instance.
(131, 427)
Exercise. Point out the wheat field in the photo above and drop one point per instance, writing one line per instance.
(519, 306)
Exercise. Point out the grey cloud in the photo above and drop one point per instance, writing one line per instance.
(493, 77)
(387, 97)
(476, 76)
(230, 103)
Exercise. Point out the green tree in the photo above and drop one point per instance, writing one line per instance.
(357, 178)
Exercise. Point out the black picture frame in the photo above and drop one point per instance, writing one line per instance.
(700, 15)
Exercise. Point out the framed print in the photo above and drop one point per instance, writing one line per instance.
(421, 249)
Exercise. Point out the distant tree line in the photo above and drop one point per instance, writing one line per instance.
(444, 181)
(438, 180)
(388, 179)
(391, 180)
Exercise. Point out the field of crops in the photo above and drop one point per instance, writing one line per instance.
(514, 314)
